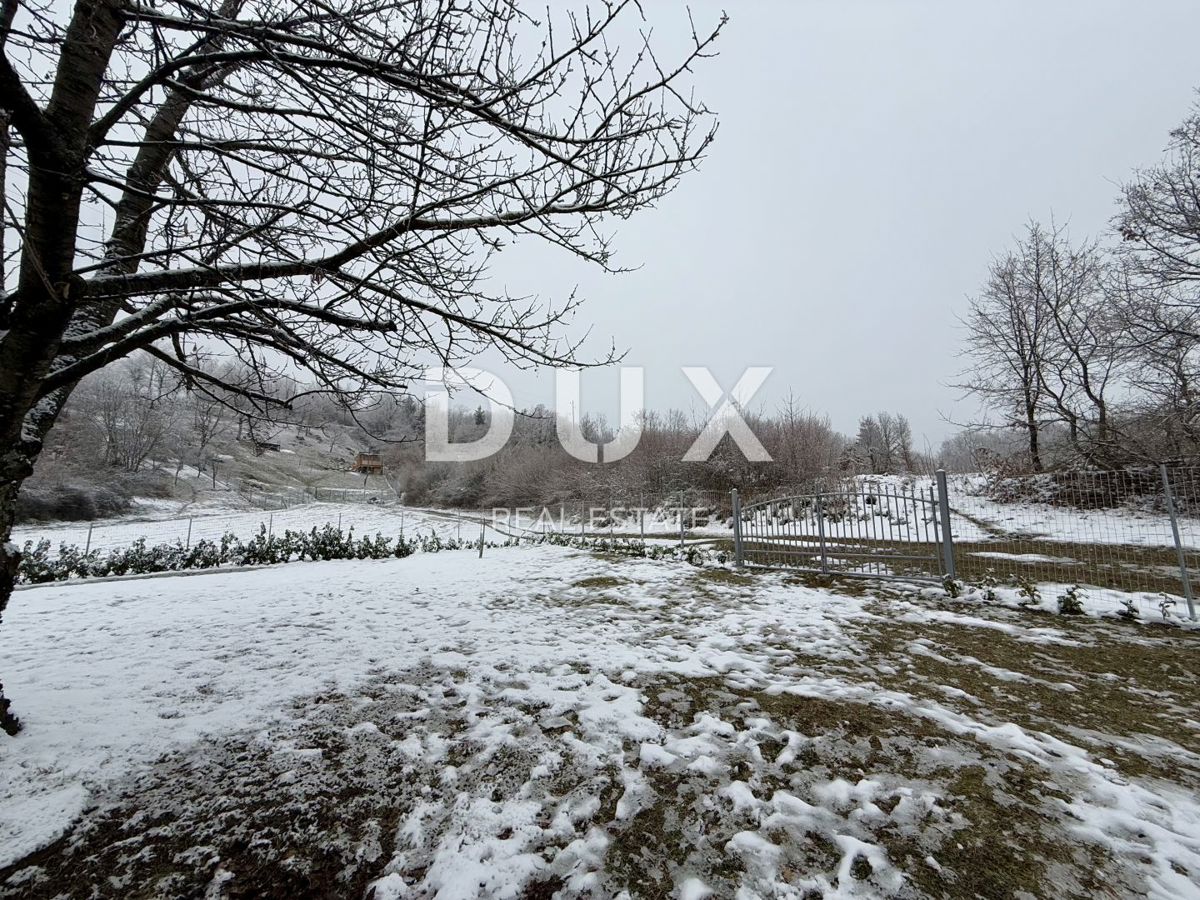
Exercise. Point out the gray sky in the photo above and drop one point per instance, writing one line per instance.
(873, 156)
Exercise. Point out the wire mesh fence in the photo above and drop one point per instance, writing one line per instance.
(1134, 530)
(351, 495)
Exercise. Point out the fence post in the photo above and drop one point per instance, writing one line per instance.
(189, 537)
(1182, 557)
(821, 533)
(682, 539)
(482, 526)
(87, 547)
(582, 528)
(271, 526)
(944, 515)
(738, 553)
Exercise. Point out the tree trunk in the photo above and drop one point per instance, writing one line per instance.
(10, 560)
(16, 464)
(57, 147)
(1035, 451)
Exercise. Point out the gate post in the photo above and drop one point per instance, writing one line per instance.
(738, 553)
(1183, 567)
(944, 515)
(821, 532)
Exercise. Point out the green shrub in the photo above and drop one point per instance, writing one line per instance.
(1070, 602)
(38, 566)
(1027, 590)
(988, 584)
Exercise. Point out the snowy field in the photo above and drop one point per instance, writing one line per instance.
(547, 723)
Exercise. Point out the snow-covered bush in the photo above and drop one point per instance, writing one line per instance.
(1027, 590)
(1070, 602)
(988, 584)
(1128, 611)
(40, 566)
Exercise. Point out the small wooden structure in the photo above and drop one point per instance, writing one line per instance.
(367, 463)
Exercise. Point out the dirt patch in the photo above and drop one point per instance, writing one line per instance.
(246, 817)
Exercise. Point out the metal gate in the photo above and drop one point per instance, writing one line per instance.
(865, 530)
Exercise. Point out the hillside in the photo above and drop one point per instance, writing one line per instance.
(309, 463)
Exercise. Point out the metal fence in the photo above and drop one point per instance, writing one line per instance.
(351, 495)
(1133, 530)
(863, 529)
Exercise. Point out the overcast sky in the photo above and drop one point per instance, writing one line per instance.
(873, 156)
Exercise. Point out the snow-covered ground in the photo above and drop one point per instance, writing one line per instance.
(543, 722)
(1146, 528)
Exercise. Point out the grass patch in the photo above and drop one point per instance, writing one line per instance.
(1129, 698)
(599, 582)
(989, 804)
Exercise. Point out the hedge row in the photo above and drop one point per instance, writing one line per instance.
(694, 554)
(39, 566)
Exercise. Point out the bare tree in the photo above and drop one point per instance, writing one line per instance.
(209, 420)
(316, 188)
(888, 441)
(1007, 333)
(134, 410)
(803, 443)
(1160, 215)
(1157, 292)
(1082, 353)
(1162, 341)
